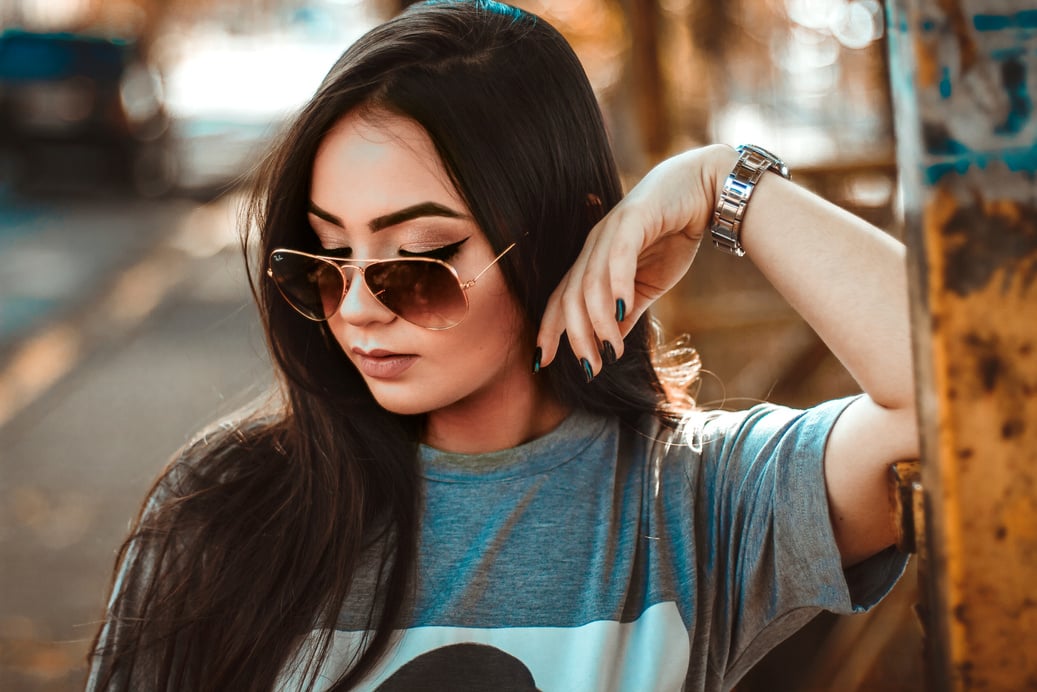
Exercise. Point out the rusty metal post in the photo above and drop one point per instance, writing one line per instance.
(964, 76)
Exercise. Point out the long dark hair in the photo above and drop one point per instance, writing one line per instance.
(253, 537)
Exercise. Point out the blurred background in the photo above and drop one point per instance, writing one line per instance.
(127, 131)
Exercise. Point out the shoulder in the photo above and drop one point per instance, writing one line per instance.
(759, 426)
(707, 444)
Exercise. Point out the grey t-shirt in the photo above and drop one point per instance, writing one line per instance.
(600, 557)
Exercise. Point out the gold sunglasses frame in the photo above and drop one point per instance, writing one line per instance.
(361, 264)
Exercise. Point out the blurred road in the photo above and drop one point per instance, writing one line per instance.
(125, 326)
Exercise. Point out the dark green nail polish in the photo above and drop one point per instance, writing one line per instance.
(587, 371)
(621, 310)
(537, 355)
(608, 354)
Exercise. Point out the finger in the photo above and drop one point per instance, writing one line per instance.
(599, 299)
(580, 332)
(566, 313)
(552, 324)
(585, 284)
(587, 302)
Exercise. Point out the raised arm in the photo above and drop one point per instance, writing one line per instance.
(844, 276)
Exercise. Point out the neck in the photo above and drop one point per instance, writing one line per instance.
(503, 418)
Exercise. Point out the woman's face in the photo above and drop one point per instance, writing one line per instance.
(380, 191)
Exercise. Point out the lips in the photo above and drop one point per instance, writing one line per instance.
(381, 364)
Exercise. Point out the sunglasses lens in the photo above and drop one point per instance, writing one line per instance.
(311, 286)
(425, 293)
(422, 292)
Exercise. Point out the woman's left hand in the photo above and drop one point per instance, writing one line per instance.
(633, 256)
(852, 292)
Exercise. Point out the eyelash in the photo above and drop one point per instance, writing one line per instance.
(442, 254)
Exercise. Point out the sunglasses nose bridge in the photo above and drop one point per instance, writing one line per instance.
(347, 277)
(354, 304)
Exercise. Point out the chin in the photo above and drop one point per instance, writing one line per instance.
(402, 403)
(404, 409)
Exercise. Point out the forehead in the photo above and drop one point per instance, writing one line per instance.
(374, 163)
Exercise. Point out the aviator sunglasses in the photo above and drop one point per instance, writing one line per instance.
(421, 290)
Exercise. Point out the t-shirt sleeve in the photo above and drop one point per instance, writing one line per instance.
(762, 504)
(136, 569)
(102, 674)
(134, 572)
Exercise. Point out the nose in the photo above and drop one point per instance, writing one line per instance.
(359, 306)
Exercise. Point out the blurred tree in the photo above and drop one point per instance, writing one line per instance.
(712, 30)
(644, 73)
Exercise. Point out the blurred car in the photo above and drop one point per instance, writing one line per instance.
(77, 110)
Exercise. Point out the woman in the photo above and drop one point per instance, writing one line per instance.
(477, 478)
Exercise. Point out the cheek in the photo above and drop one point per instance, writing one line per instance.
(496, 316)
(494, 333)
(491, 339)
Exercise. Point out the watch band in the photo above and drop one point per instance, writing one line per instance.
(753, 162)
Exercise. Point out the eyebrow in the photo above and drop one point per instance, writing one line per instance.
(415, 211)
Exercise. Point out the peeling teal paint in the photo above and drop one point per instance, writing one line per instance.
(1013, 53)
(1018, 160)
(946, 146)
(1013, 78)
(1026, 19)
(977, 114)
(945, 83)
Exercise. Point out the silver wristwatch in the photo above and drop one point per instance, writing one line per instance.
(753, 162)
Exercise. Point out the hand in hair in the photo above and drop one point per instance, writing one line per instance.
(635, 254)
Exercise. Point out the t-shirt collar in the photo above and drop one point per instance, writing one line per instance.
(565, 442)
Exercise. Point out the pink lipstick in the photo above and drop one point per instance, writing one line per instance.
(382, 364)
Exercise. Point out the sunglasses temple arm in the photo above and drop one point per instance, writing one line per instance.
(471, 282)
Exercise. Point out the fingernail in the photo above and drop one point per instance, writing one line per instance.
(608, 354)
(621, 310)
(537, 355)
(588, 372)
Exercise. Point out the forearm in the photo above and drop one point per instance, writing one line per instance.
(844, 276)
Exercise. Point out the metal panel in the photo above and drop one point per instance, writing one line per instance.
(964, 75)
